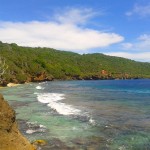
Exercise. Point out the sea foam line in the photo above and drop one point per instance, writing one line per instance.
(53, 100)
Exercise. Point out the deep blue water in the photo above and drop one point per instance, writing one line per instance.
(103, 114)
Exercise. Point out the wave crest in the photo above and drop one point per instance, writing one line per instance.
(53, 100)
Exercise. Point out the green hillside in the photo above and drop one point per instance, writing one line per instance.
(27, 64)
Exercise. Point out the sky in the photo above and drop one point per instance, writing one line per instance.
(112, 27)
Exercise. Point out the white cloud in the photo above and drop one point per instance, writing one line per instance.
(140, 10)
(63, 33)
(75, 16)
(127, 46)
(144, 42)
(144, 37)
(141, 44)
(145, 56)
(138, 50)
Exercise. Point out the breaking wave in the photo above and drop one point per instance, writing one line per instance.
(53, 100)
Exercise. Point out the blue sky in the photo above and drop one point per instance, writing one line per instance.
(113, 27)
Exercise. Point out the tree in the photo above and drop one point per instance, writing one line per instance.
(3, 67)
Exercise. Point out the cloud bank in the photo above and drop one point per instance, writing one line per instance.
(144, 57)
(137, 50)
(142, 44)
(65, 32)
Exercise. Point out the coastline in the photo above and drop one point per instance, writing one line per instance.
(38, 128)
(13, 84)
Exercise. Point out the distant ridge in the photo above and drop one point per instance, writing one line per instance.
(27, 64)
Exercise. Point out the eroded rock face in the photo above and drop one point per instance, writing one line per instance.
(39, 77)
(10, 136)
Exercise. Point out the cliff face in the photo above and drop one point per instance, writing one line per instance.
(10, 137)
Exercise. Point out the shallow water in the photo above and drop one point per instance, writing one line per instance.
(105, 114)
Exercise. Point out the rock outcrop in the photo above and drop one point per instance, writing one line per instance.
(10, 136)
(42, 76)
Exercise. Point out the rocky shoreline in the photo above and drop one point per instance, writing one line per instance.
(44, 77)
(10, 136)
(12, 139)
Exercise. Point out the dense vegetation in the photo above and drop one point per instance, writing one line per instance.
(36, 64)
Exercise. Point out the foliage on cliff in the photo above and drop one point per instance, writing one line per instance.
(37, 64)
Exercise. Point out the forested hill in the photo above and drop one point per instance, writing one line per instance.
(27, 64)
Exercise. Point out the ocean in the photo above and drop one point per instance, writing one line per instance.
(84, 115)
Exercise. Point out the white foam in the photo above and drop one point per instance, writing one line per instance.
(39, 87)
(74, 128)
(92, 121)
(53, 100)
(30, 131)
(43, 82)
(42, 126)
(35, 127)
(36, 93)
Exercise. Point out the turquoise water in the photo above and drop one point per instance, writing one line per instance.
(104, 114)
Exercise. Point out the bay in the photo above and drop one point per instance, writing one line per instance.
(101, 114)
